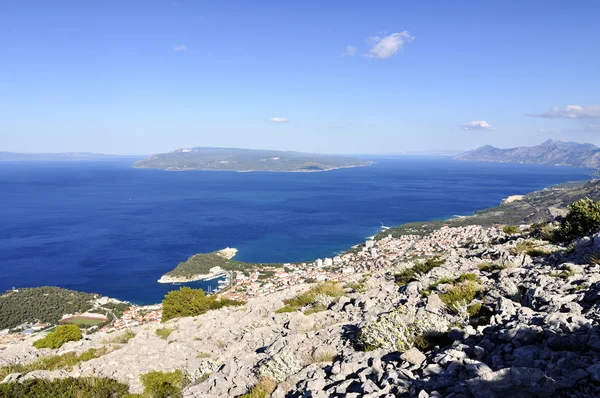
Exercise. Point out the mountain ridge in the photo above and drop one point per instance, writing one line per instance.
(550, 152)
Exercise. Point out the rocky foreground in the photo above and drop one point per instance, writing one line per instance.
(531, 330)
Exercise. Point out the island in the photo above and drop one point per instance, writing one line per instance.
(246, 160)
(551, 152)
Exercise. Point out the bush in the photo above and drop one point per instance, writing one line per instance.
(537, 252)
(163, 384)
(583, 219)
(511, 230)
(420, 267)
(191, 302)
(81, 387)
(61, 335)
(461, 293)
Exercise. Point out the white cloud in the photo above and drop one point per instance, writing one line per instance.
(477, 125)
(572, 112)
(278, 120)
(350, 51)
(387, 46)
(180, 47)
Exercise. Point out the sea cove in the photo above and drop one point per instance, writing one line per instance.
(109, 228)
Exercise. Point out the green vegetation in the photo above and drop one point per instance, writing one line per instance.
(461, 293)
(566, 273)
(511, 229)
(420, 267)
(449, 281)
(61, 335)
(192, 302)
(329, 289)
(427, 341)
(474, 309)
(488, 267)
(122, 338)
(263, 389)
(583, 219)
(164, 333)
(45, 304)
(65, 361)
(537, 252)
(80, 387)
(247, 160)
(203, 355)
(163, 384)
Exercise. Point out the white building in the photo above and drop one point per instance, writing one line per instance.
(370, 243)
(328, 262)
(319, 263)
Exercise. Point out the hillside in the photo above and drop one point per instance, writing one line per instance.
(534, 207)
(551, 152)
(233, 159)
(46, 304)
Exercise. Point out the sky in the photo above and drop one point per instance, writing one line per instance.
(377, 77)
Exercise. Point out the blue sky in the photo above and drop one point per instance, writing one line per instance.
(139, 77)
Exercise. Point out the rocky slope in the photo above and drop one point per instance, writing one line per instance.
(535, 334)
(550, 152)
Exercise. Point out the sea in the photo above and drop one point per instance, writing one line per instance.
(108, 228)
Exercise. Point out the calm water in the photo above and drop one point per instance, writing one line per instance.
(109, 228)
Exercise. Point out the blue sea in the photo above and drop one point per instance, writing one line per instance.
(108, 228)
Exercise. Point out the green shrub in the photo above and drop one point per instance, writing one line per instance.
(421, 267)
(583, 219)
(461, 293)
(467, 277)
(61, 335)
(191, 302)
(566, 273)
(164, 333)
(487, 267)
(474, 309)
(81, 387)
(537, 252)
(262, 389)
(511, 230)
(163, 384)
(425, 342)
(358, 287)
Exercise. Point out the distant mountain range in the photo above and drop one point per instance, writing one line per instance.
(14, 156)
(234, 159)
(551, 152)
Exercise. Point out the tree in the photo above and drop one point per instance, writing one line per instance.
(61, 335)
(191, 302)
(583, 219)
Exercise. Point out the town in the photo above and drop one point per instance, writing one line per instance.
(109, 314)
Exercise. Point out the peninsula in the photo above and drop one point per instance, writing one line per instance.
(244, 160)
(203, 266)
(556, 153)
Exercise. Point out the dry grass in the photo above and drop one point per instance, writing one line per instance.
(262, 389)
(165, 332)
(331, 289)
(122, 338)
